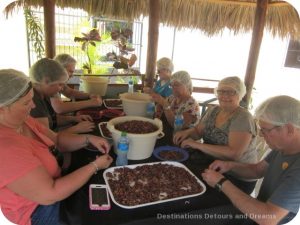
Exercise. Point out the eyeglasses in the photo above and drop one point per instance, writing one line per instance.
(176, 85)
(226, 92)
(265, 131)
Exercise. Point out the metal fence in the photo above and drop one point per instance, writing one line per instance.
(69, 23)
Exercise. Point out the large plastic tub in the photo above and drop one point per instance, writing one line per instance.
(140, 145)
(94, 85)
(135, 104)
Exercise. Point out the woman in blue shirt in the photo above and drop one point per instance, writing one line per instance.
(162, 86)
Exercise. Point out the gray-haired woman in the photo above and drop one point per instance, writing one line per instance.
(181, 101)
(48, 78)
(165, 68)
(31, 185)
(228, 130)
(88, 100)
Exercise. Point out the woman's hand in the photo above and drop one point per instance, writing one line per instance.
(180, 136)
(103, 161)
(80, 118)
(211, 177)
(96, 100)
(189, 143)
(221, 166)
(100, 143)
(82, 127)
(158, 99)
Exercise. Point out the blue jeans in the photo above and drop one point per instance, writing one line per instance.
(46, 215)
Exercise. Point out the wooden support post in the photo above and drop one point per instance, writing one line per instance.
(153, 33)
(257, 35)
(49, 24)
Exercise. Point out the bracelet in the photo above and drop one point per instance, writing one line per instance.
(96, 167)
(168, 107)
(87, 141)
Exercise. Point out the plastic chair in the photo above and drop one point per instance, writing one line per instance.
(205, 104)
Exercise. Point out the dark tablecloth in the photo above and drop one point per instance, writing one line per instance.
(75, 209)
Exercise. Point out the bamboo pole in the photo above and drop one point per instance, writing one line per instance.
(153, 33)
(257, 35)
(49, 23)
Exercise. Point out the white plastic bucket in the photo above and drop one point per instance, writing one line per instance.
(135, 104)
(140, 145)
(94, 85)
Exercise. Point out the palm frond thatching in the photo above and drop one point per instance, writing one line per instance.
(211, 16)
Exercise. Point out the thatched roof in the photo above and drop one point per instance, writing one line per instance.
(211, 16)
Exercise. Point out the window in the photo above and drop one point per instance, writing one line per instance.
(69, 23)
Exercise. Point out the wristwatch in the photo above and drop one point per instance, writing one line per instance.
(218, 185)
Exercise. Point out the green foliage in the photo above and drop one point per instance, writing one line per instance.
(90, 44)
(35, 32)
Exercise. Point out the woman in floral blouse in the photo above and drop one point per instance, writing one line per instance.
(180, 102)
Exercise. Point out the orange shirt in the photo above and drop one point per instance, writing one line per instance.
(20, 155)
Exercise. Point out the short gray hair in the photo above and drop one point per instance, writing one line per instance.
(235, 83)
(49, 69)
(279, 110)
(65, 59)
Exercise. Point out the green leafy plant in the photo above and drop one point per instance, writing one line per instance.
(35, 32)
(89, 45)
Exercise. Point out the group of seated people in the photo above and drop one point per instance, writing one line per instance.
(31, 182)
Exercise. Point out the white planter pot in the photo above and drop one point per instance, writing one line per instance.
(94, 85)
(135, 104)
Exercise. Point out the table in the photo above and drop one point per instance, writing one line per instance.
(75, 209)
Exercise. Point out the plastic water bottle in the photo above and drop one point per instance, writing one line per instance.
(150, 110)
(178, 122)
(123, 146)
(130, 86)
